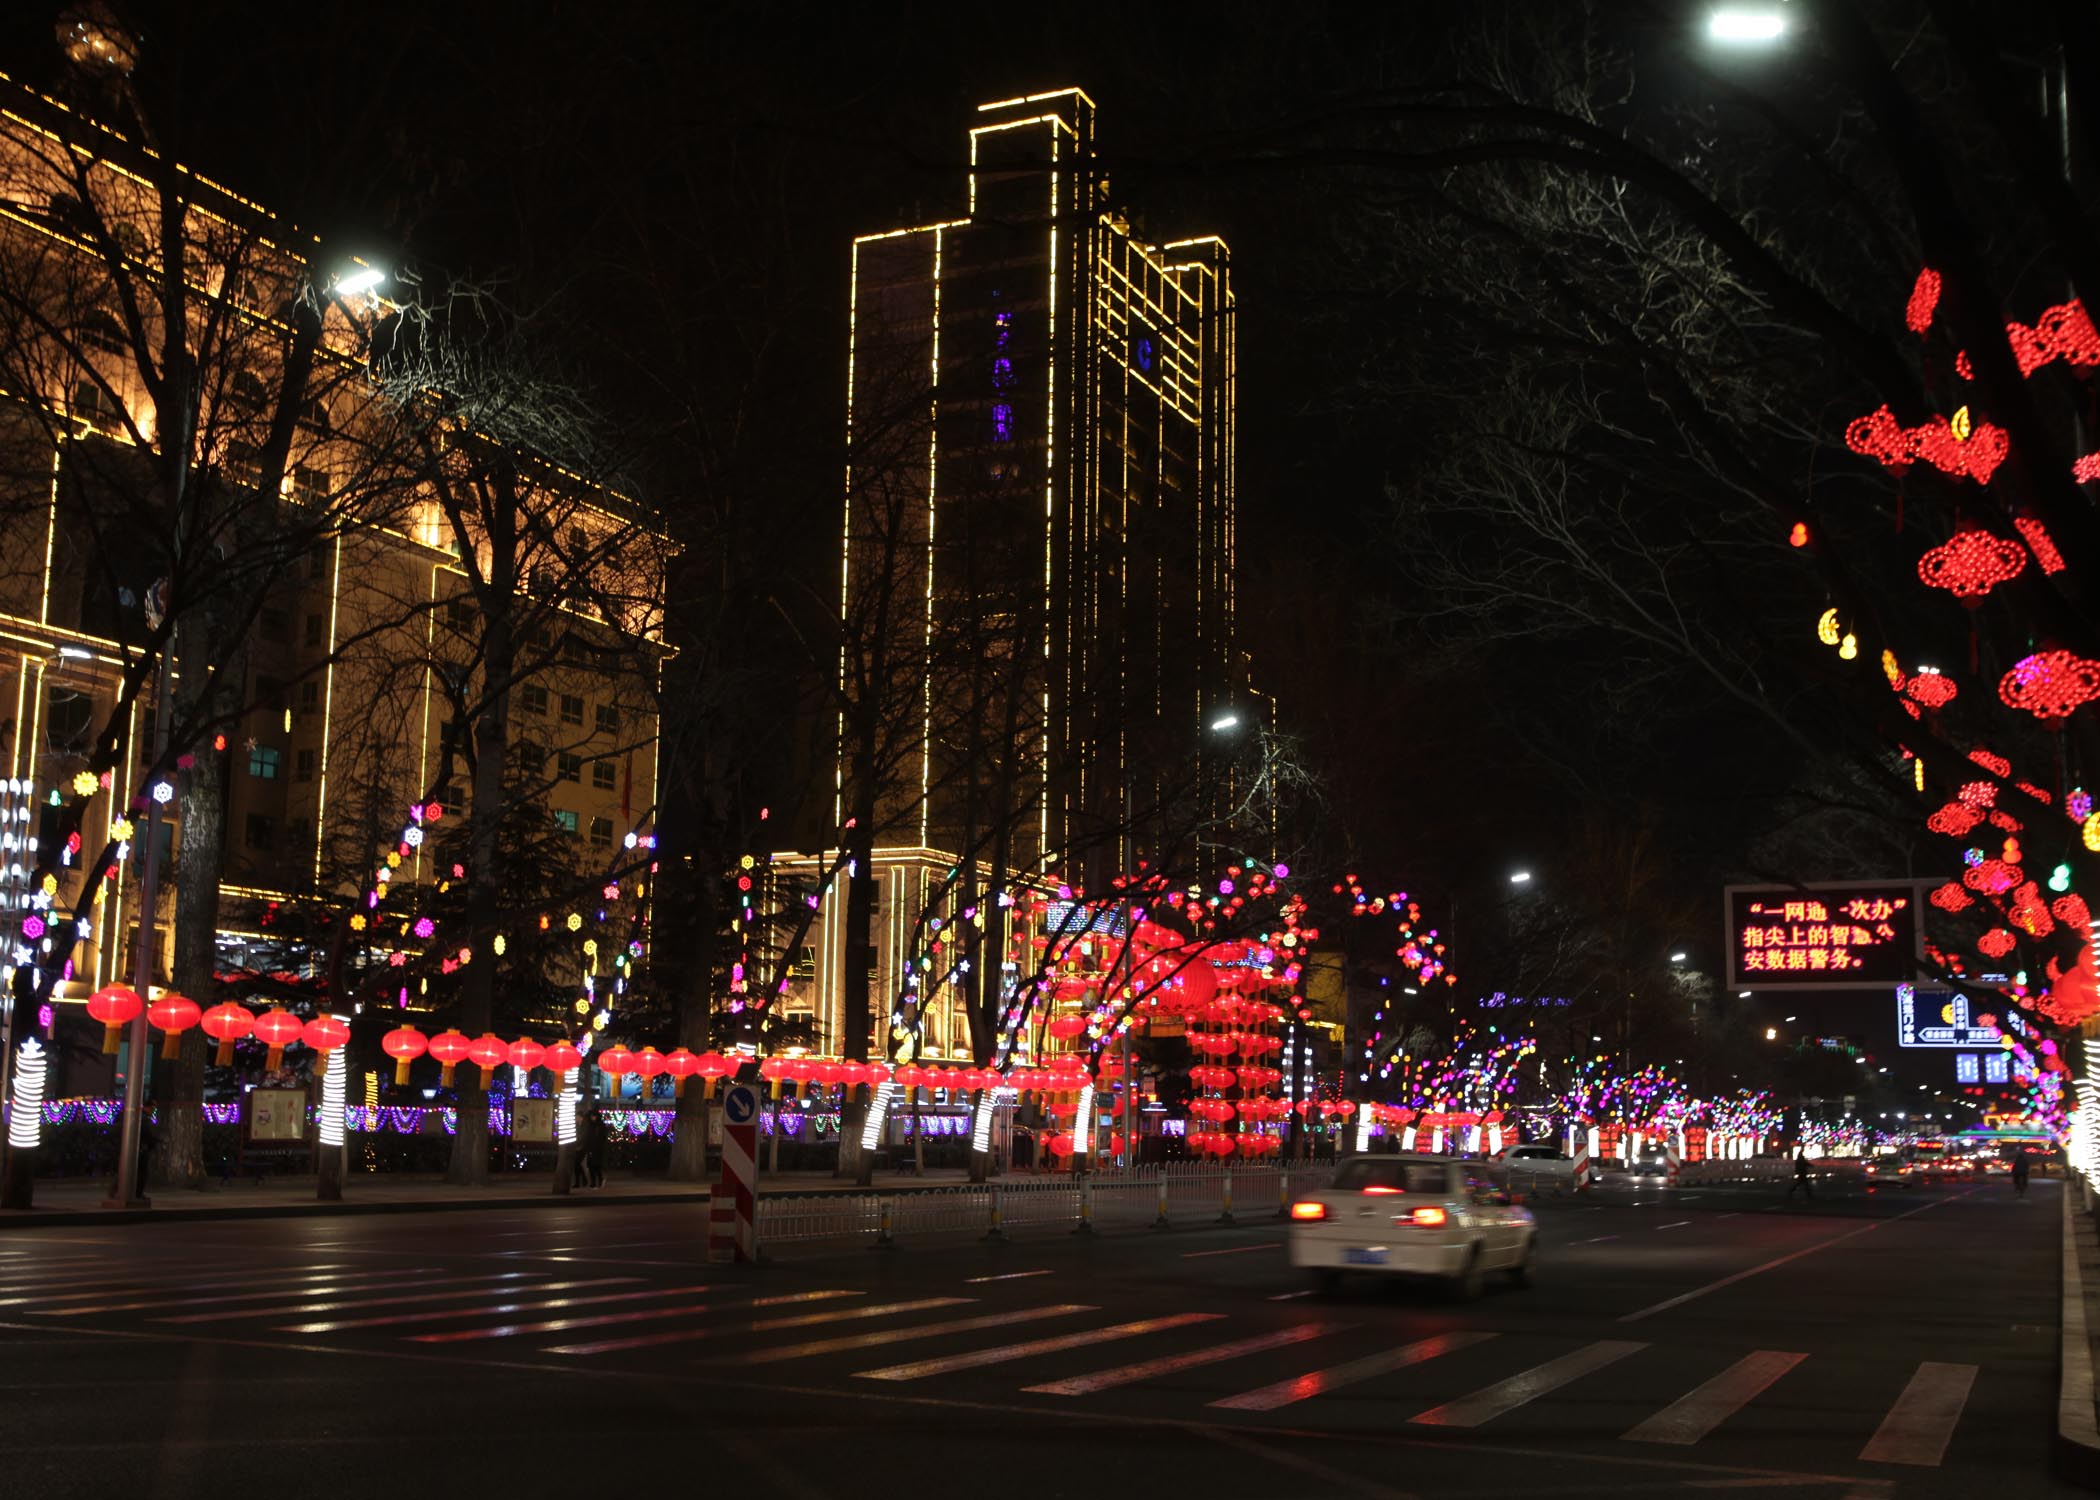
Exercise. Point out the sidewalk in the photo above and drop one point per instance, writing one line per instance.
(70, 1202)
(2077, 1452)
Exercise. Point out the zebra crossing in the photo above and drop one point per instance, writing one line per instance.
(1059, 1353)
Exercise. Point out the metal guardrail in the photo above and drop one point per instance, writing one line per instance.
(1176, 1195)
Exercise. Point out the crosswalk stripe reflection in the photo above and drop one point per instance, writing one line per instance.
(1917, 1427)
(762, 1325)
(563, 1325)
(1319, 1382)
(414, 1295)
(918, 1331)
(1171, 1364)
(1504, 1396)
(1696, 1413)
(920, 1369)
(323, 1286)
(497, 1309)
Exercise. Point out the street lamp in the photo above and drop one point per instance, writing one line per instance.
(358, 280)
(1677, 958)
(1224, 722)
(1746, 25)
(1521, 877)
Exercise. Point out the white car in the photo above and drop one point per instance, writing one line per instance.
(1528, 1167)
(1413, 1216)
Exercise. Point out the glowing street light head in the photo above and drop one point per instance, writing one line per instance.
(1677, 958)
(1746, 25)
(1520, 877)
(358, 280)
(1224, 722)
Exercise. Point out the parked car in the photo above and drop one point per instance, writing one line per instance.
(1413, 1216)
(1529, 1166)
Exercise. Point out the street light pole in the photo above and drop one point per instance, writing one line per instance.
(130, 1191)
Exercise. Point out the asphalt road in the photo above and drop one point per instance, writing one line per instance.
(1690, 1341)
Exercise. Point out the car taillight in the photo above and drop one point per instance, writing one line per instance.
(1430, 1218)
(1385, 1192)
(1305, 1211)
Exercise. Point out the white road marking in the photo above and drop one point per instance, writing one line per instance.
(762, 1325)
(1170, 1364)
(1918, 1426)
(1003, 1353)
(917, 1331)
(1696, 1413)
(1600, 1239)
(1320, 1382)
(1504, 1396)
(298, 1309)
(1007, 1276)
(1727, 1281)
(1233, 1250)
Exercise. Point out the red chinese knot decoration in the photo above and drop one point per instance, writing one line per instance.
(1972, 563)
(1931, 689)
(2050, 684)
(1924, 299)
(1879, 436)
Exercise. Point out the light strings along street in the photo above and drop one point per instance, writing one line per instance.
(1339, 749)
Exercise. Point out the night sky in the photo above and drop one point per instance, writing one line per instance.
(725, 158)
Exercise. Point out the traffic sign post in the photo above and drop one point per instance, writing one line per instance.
(732, 1209)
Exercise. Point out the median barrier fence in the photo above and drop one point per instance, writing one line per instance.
(1179, 1195)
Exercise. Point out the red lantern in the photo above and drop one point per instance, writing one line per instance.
(404, 1044)
(681, 1064)
(488, 1052)
(911, 1076)
(450, 1048)
(774, 1071)
(228, 1023)
(114, 1006)
(615, 1060)
(1064, 1028)
(324, 1034)
(173, 1014)
(647, 1064)
(1060, 1144)
(713, 1067)
(277, 1029)
(563, 1057)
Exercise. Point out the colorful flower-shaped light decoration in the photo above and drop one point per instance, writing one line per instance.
(1972, 563)
(2050, 684)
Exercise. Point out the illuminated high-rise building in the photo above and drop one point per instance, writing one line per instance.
(1040, 424)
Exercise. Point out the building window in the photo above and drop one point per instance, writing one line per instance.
(263, 761)
(569, 767)
(459, 613)
(309, 483)
(601, 831)
(298, 836)
(309, 697)
(604, 775)
(532, 699)
(305, 765)
(273, 625)
(261, 832)
(571, 708)
(69, 718)
(316, 630)
(98, 330)
(96, 407)
(564, 820)
(608, 719)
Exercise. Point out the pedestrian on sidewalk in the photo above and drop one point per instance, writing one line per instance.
(1802, 1179)
(2019, 1173)
(593, 1150)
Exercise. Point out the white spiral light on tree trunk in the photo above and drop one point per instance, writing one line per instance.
(25, 1127)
